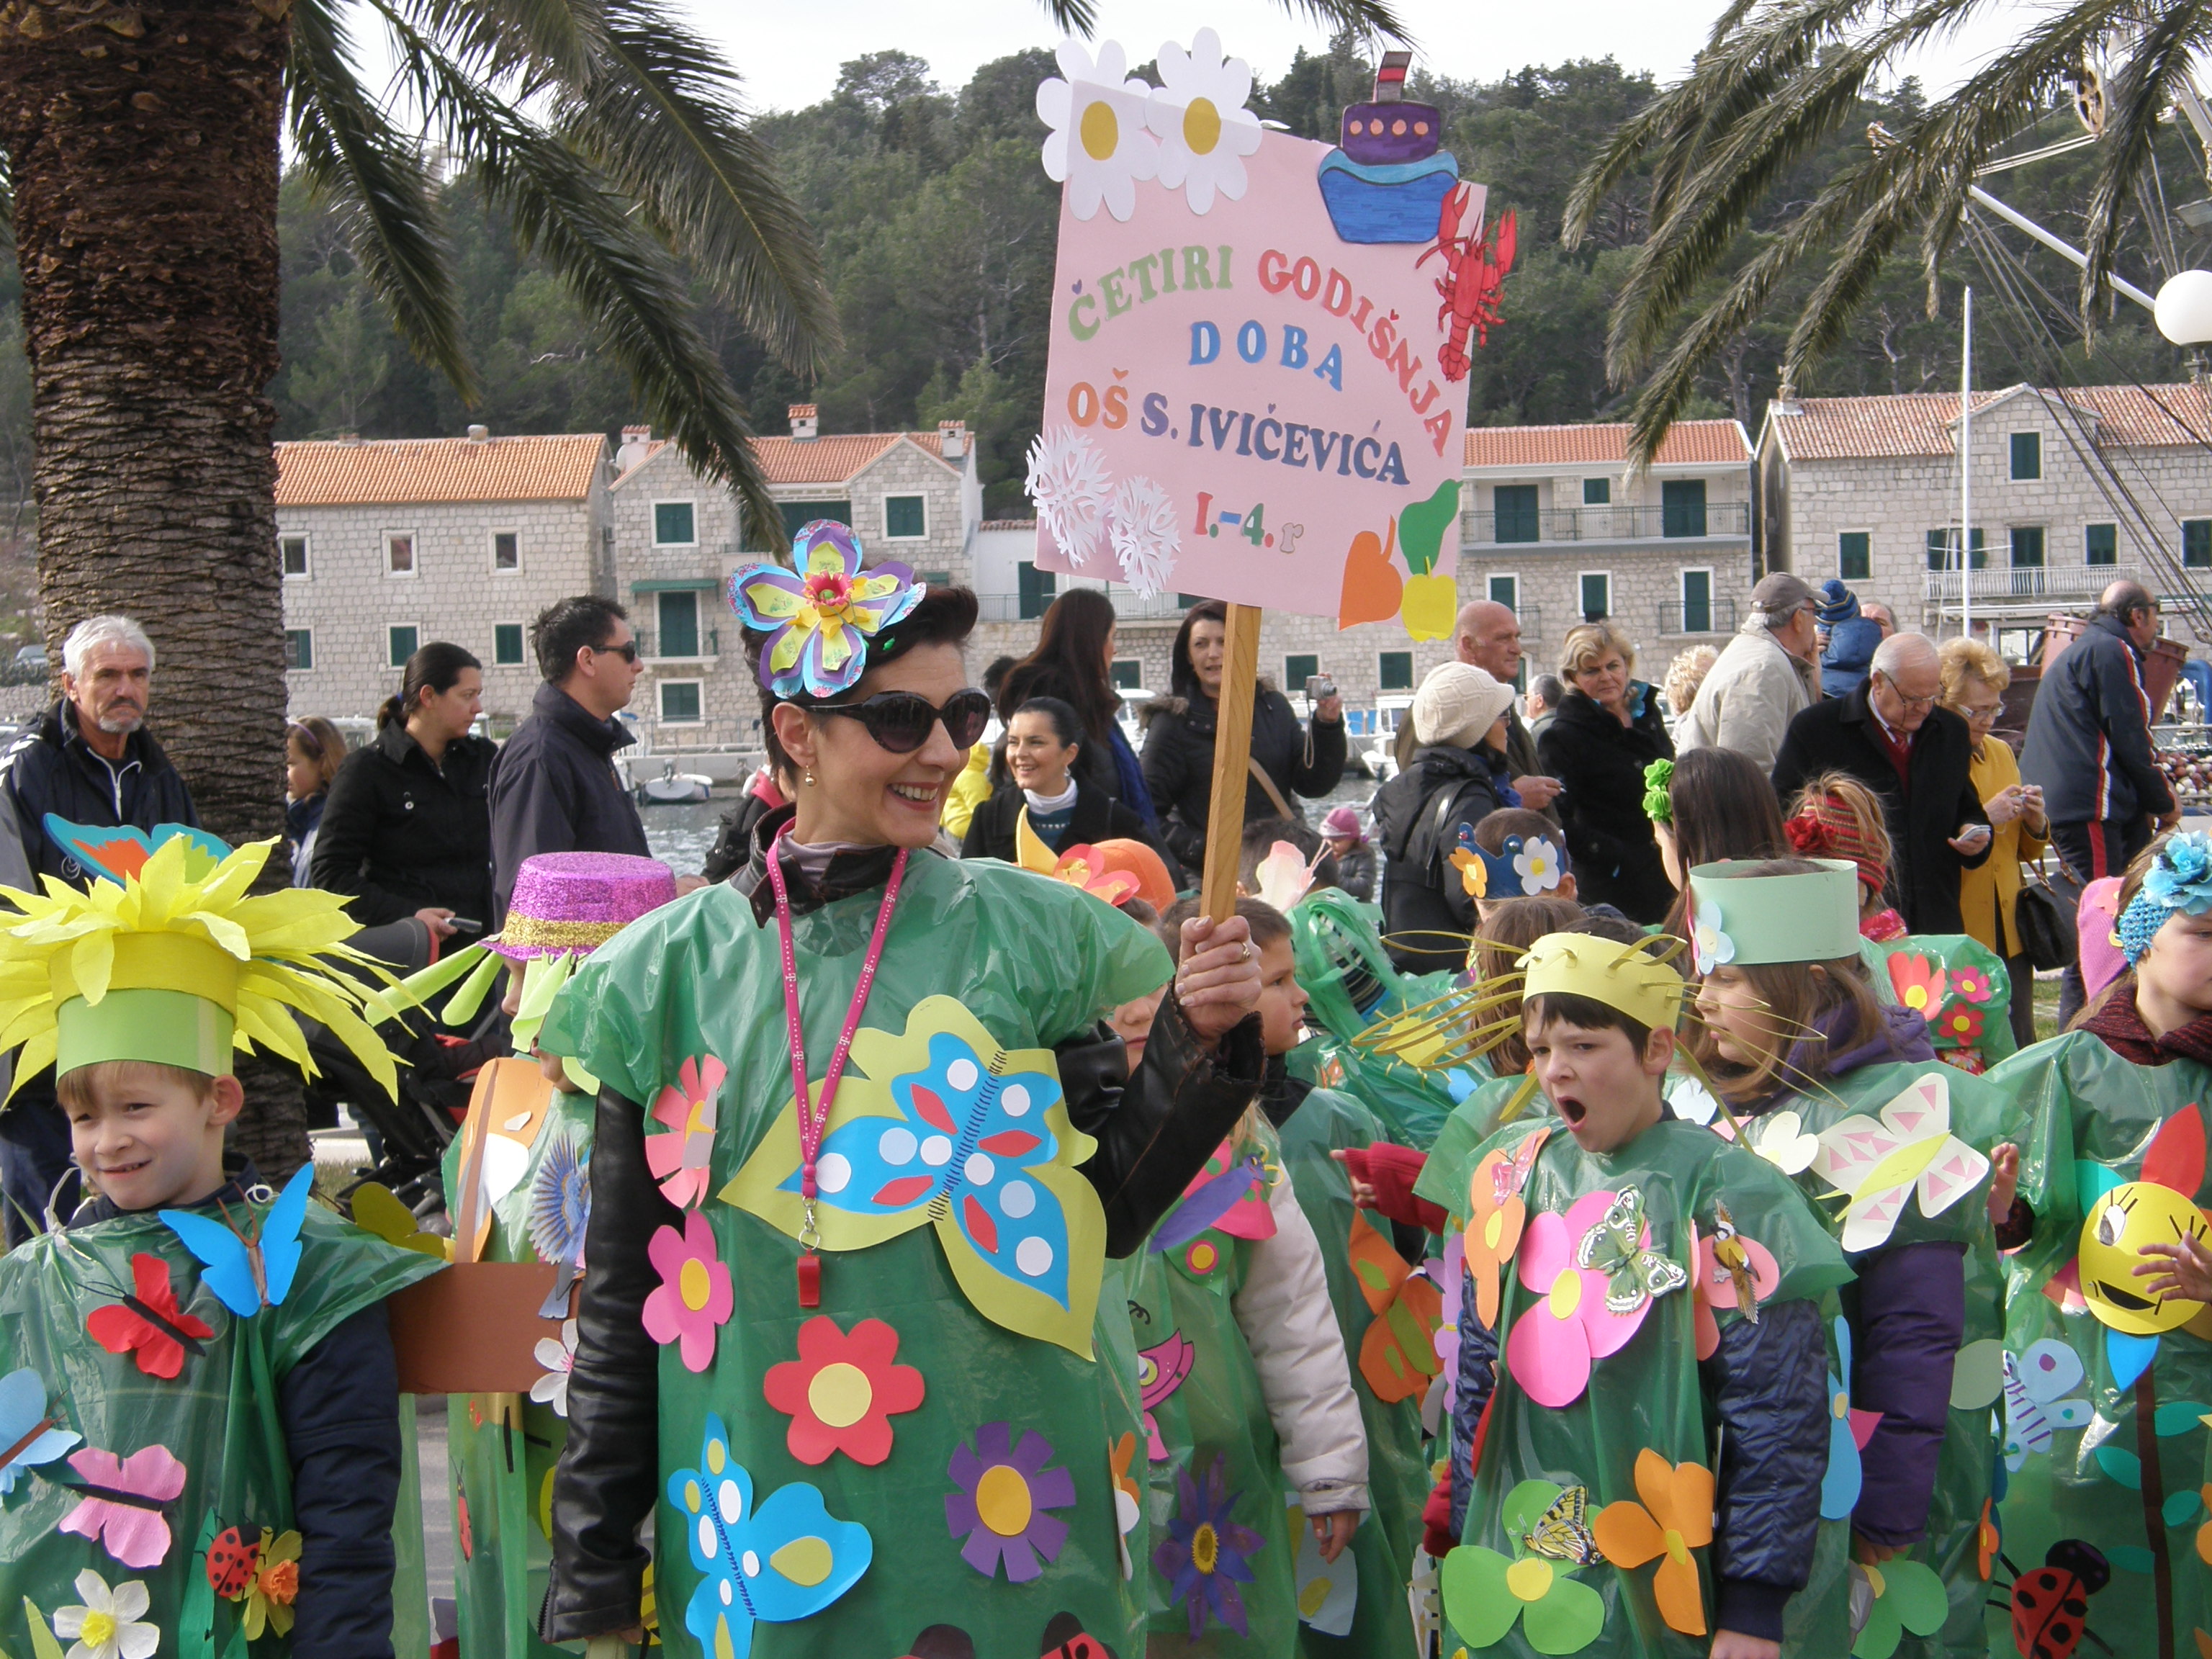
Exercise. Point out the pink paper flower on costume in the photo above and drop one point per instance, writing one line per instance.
(687, 1107)
(1555, 1342)
(694, 1295)
(1970, 985)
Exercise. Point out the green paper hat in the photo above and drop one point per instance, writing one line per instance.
(1742, 920)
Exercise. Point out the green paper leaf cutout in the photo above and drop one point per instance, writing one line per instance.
(1916, 1590)
(1524, 1507)
(43, 1644)
(2179, 1417)
(1978, 1374)
(1421, 527)
(1477, 1604)
(1884, 1631)
(2121, 1466)
(2092, 1181)
(2181, 1509)
(1568, 1618)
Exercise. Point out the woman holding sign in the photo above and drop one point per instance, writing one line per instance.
(1287, 761)
(806, 1248)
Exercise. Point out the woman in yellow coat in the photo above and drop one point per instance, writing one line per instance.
(1974, 679)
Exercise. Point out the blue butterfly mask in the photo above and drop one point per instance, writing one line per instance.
(249, 1275)
(113, 854)
(785, 1561)
(943, 1126)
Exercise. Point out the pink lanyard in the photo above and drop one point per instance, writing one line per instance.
(813, 1119)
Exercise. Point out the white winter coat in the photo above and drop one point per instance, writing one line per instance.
(1749, 697)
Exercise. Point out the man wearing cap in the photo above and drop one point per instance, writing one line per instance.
(1766, 677)
(1487, 635)
(1458, 777)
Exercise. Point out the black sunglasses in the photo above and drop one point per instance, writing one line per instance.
(627, 650)
(899, 721)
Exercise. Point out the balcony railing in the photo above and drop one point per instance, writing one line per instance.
(705, 644)
(2004, 584)
(1605, 523)
(1128, 604)
(1714, 616)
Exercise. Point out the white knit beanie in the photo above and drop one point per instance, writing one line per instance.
(1456, 704)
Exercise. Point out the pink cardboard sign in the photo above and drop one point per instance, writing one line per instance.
(1256, 388)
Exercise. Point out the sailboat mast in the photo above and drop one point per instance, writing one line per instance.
(1965, 470)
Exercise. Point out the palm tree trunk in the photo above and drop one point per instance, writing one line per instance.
(141, 140)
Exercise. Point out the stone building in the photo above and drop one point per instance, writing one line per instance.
(674, 539)
(387, 545)
(2072, 489)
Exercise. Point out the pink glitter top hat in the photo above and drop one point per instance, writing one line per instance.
(569, 903)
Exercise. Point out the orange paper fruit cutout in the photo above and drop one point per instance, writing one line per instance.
(1398, 1354)
(1676, 1517)
(1372, 586)
(1496, 1216)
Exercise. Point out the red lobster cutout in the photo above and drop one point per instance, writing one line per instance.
(1475, 264)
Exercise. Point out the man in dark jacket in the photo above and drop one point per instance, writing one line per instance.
(554, 786)
(1455, 780)
(1890, 735)
(87, 759)
(1487, 635)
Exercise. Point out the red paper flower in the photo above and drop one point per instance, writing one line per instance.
(842, 1389)
(1959, 1025)
(1918, 982)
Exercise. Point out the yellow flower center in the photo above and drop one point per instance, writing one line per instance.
(1840, 1405)
(1529, 1579)
(99, 1629)
(1202, 126)
(1874, 1579)
(1204, 1549)
(693, 1285)
(1492, 1231)
(1002, 1500)
(1566, 1294)
(1098, 129)
(840, 1395)
(1676, 1549)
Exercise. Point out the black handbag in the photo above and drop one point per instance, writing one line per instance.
(2044, 916)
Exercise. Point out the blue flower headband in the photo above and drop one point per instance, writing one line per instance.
(2180, 879)
(1522, 867)
(822, 614)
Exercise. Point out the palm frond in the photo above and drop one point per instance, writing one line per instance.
(355, 159)
(544, 41)
(1076, 17)
(659, 113)
(2162, 61)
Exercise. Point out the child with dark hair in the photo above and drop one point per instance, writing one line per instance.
(1260, 837)
(1521, 854)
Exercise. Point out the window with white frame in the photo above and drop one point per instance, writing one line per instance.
(401, 641)
(399, 552)
(1594, 595)
(1505, 590)
(1128, 673)
(906, 517)
(680, 702)
(676, 523)
(506, 550)
(293, 549)
(1696, 602)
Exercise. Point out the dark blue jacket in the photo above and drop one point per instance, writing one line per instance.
(1843, 665)
(49, 767)
(2089, 738)
(555, 789)
(339, 1407)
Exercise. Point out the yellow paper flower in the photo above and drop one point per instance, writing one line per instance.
(276, 1586)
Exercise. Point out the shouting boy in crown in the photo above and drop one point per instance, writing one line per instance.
(199, 1435)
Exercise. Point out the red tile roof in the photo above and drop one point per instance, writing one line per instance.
(1920, 424)
(319, 473)
(1687, 443)
(830, 459)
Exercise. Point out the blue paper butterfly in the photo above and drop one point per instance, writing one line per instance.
(28, 1433)
(116, 854)
(228, 1261)
(965, 1140)
(786, 1561)
(1849, 1430)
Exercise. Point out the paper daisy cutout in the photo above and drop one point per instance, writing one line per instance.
(109, 1622)
(1708, 944)
(693, 1297)
(1069, 483)
(1199, 115)
(1205, 1554)
(1005, 1492)
(842, 1389)
(558, 1356)
(1146, 533)
(1098, 145)
(687, 1107)
(1537, 864)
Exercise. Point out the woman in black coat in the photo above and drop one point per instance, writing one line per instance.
(408, 828)
(1044, 739)
(1609, 729)
(1179, 740)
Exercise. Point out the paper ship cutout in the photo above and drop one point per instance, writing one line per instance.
(1387, 181)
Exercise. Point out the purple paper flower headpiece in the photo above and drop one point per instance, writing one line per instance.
(822, 613)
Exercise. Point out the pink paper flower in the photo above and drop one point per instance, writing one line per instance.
(1970, 985)
(1555, 1340)
(686, 1107)
(694, 1295)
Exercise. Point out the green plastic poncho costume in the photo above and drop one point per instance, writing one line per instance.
(518, 1183)
(2105, 1387)
(1604, 1280)
(145, 1483)
(1892, 1155)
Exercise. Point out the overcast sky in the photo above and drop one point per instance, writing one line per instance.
(789, 52)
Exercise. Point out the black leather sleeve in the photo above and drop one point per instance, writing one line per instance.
(1768, 1384)
(1155, 1130)
(609, 1474)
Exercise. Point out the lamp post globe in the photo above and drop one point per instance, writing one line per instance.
(2184, 313)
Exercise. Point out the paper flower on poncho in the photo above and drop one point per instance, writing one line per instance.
(1907, 1595)
(687, 1107)
(1486, 1593)
(1005, 1492)
(694, 1297)
(183, 924)
(1676, 1517)
(820, 614)
(1782, 1141)
(1207, 1555)
(1495, 1217)
(558, 1356)
(1583, 1265)
(109, 1623)
(842, 1390)
(1918, 983)
(1960, 1025)
(275, 1586)
(1971, 985)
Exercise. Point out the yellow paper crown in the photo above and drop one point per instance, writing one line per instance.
(117, 971)
(1629, 977)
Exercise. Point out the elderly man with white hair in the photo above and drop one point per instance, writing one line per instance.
(1890, 734)
(1769, 674)
(89, 760)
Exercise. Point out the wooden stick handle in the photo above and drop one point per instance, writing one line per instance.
(1232, 754)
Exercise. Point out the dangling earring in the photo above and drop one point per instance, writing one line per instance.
(809, 777)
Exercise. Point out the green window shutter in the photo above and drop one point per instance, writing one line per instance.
(2027, 545)
(1036, 590)
(401, 643)
(2027, 454)
(1505, 590)
(1596, 595)
(1682, 506)
(1516, 513)
(679, 700)
(1298, 670)
(299, 648)
(507, 645)
(2100, 543)
(674, 524)
(1697, 601)
(1394, 671)
(797, 515)
(2197, 543)
(905, 516)
(1597, 492)
(1854, 563)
